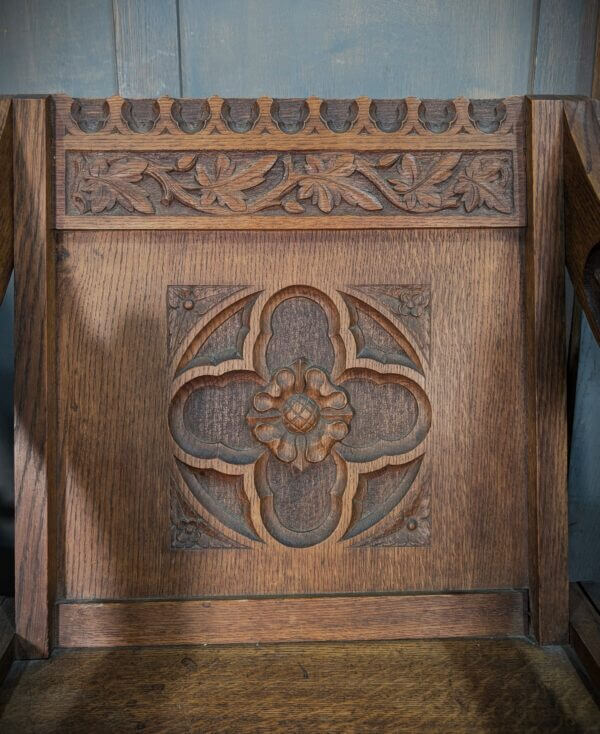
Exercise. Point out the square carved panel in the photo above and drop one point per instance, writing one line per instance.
(262, 454)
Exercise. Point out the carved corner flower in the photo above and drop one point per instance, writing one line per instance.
(485, 181)
(412, 302)
(300, 415)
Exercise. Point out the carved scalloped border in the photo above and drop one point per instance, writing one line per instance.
(216, 115)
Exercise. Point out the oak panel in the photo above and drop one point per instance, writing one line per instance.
(114, 392)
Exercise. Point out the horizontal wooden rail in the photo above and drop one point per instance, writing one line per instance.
(109, 624)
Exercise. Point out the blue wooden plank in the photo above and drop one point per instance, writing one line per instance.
(147, 47)
(344, 48)
(566, 45)
(59, 46)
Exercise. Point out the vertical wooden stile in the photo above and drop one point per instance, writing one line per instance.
(547, 435)
(34, 378)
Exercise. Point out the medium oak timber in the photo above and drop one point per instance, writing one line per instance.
(114, 477)
(272, 364)
(34, 390)
(352, 147)
(547, 439)
(336, 687)
(291, 620)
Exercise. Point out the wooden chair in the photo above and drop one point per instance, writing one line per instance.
(293, 370)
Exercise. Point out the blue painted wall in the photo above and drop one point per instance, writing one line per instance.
(293, 48)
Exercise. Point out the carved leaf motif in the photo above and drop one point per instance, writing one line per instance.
(186, 162)
(485, 182)
(418, 187)
(388, 160)
(229, 183)
(292, 206)
(328, 184)
(110, 183)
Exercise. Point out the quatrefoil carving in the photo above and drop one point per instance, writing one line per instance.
(320, 386)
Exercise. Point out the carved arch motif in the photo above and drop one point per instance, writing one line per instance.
(316, 403)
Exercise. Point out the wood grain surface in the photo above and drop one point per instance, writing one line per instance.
(114, 391)
(290, 620)
(363, 688)
(544, 284)
(6, 189)
(35, 412)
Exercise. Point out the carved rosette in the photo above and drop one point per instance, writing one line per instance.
(326, 442)
(300, 415)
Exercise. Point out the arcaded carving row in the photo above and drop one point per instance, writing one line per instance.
(315, 183)
(289, 116)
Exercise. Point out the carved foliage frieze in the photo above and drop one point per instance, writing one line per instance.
(279, 423)
(319, 183)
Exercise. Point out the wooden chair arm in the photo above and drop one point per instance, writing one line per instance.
(6, 199)
(581, 154)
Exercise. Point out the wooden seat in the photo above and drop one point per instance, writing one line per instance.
(419, 685)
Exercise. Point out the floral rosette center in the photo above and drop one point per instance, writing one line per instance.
(300, 415)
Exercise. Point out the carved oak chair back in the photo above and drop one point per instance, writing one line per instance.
(288, 370)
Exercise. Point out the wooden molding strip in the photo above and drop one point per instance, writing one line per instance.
(282, 223)
(112, 624)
